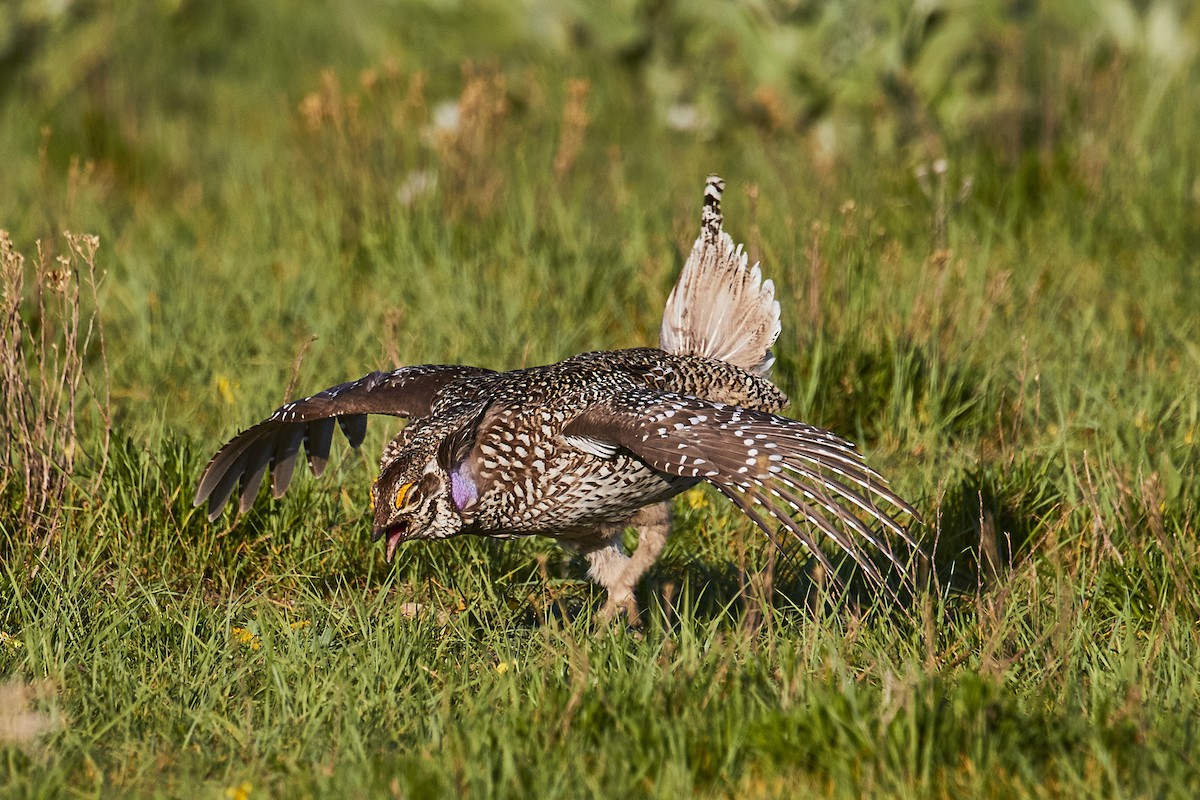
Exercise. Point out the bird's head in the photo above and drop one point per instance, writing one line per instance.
(413, 500)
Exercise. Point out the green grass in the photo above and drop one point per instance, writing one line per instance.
(1020, 359)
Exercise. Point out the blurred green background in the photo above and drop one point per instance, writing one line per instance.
(983, 221)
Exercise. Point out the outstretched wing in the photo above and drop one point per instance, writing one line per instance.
(274, 443)
(763, 462)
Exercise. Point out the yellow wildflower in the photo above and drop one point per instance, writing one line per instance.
(225, 389)
(240, 792)
(247, 638)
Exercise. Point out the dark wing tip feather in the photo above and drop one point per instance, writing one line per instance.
(270, 446)
(284, 462)
(317, 441)
(354, 426)
(252, 474)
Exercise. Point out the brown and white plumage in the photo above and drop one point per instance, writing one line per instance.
(579, 449)
(720, 307)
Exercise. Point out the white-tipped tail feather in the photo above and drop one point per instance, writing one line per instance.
(720, 307)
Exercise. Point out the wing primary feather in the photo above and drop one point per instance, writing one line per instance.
(316, 444)
(252, 471)
(847, 544)
(221, 463)
(225, 481)
(856, 471)
(593, 446)
(355, 428)
(821, 523)
(284, 462)
(861, 502)
(747, 507)
(784, 470)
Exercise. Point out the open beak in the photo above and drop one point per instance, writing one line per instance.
(393, 535)
(393, 541)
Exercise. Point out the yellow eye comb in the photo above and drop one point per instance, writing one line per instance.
(401, 494)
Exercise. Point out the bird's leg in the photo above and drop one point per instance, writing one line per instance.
(618, 573)
(653, 524)
(606, 566)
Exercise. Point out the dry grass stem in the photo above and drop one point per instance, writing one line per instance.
(468, 142)
(574, 126)
(52, 362)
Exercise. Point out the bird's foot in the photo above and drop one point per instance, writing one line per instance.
(615, 606)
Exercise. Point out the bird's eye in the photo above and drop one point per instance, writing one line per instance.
(401, 494)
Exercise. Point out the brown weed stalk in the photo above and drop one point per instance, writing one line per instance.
(468, 150)
(574, 126)
(45, 339)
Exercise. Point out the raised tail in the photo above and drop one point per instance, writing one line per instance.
(720, 307)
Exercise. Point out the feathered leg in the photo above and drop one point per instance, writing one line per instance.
(607, 563)
(618, 573)
(653, 523)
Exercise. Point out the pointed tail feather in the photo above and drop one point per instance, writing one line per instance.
(721, 307)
